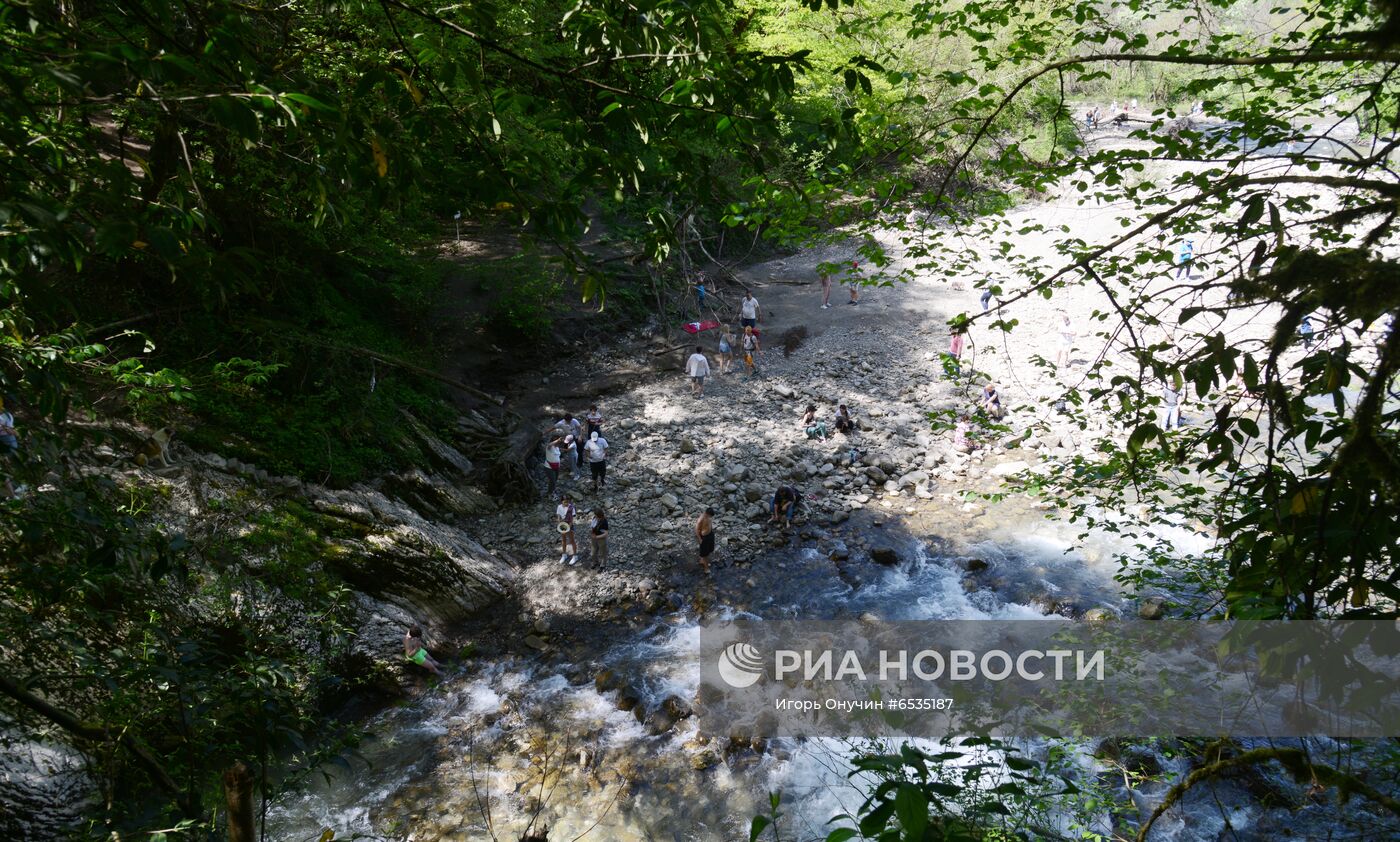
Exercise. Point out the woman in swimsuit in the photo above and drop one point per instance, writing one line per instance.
(415, 651)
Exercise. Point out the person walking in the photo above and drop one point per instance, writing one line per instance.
(597, 448)
(1066, 340)
(705, 537)
(726, 348)
(1305, 332)
(698, 368)
(855, 283)
(752, 348)
(551, 466)
(986, 299)
(568, 544)
(1171, 398)
(826, 288)
(956, 341)
(598, 537)
(594, 419)
(748, 310)
(1184, 258)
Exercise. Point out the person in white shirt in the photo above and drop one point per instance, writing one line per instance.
(748, 310)
(698, 367)
(597, 448)
(551, 464)
(567, 543)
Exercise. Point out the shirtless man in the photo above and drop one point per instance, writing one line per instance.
(705, 536)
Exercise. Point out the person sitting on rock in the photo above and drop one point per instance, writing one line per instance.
(991, 402)
(962, 442)
(416, 651)
(816, 429)
(784, 505)
(845, 424)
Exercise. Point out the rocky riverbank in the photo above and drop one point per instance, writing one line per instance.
(673, 454)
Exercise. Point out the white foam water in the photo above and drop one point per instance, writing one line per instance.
(522, 742)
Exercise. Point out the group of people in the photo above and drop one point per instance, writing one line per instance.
(573, 442)
(697, 365)
(566, 515)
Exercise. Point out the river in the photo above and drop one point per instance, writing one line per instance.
(529, 739)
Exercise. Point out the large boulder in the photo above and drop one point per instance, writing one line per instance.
(45, 788)
(407, 566)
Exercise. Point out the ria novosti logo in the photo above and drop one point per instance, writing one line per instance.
(740, 665)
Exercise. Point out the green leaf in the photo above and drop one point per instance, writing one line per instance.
(310, 102)
(1141, 436)
(760, 824)
(911, 807)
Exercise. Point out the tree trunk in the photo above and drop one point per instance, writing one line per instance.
(238, 795)
(509, 476)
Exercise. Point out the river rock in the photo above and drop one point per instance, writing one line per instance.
(1153, 608)
(913, 479)
(688, 445)
(1006, 469)
(627, 699)
(973, 565)
(676, 708)
(876, 474)
(884, 554)
(1099, 615)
